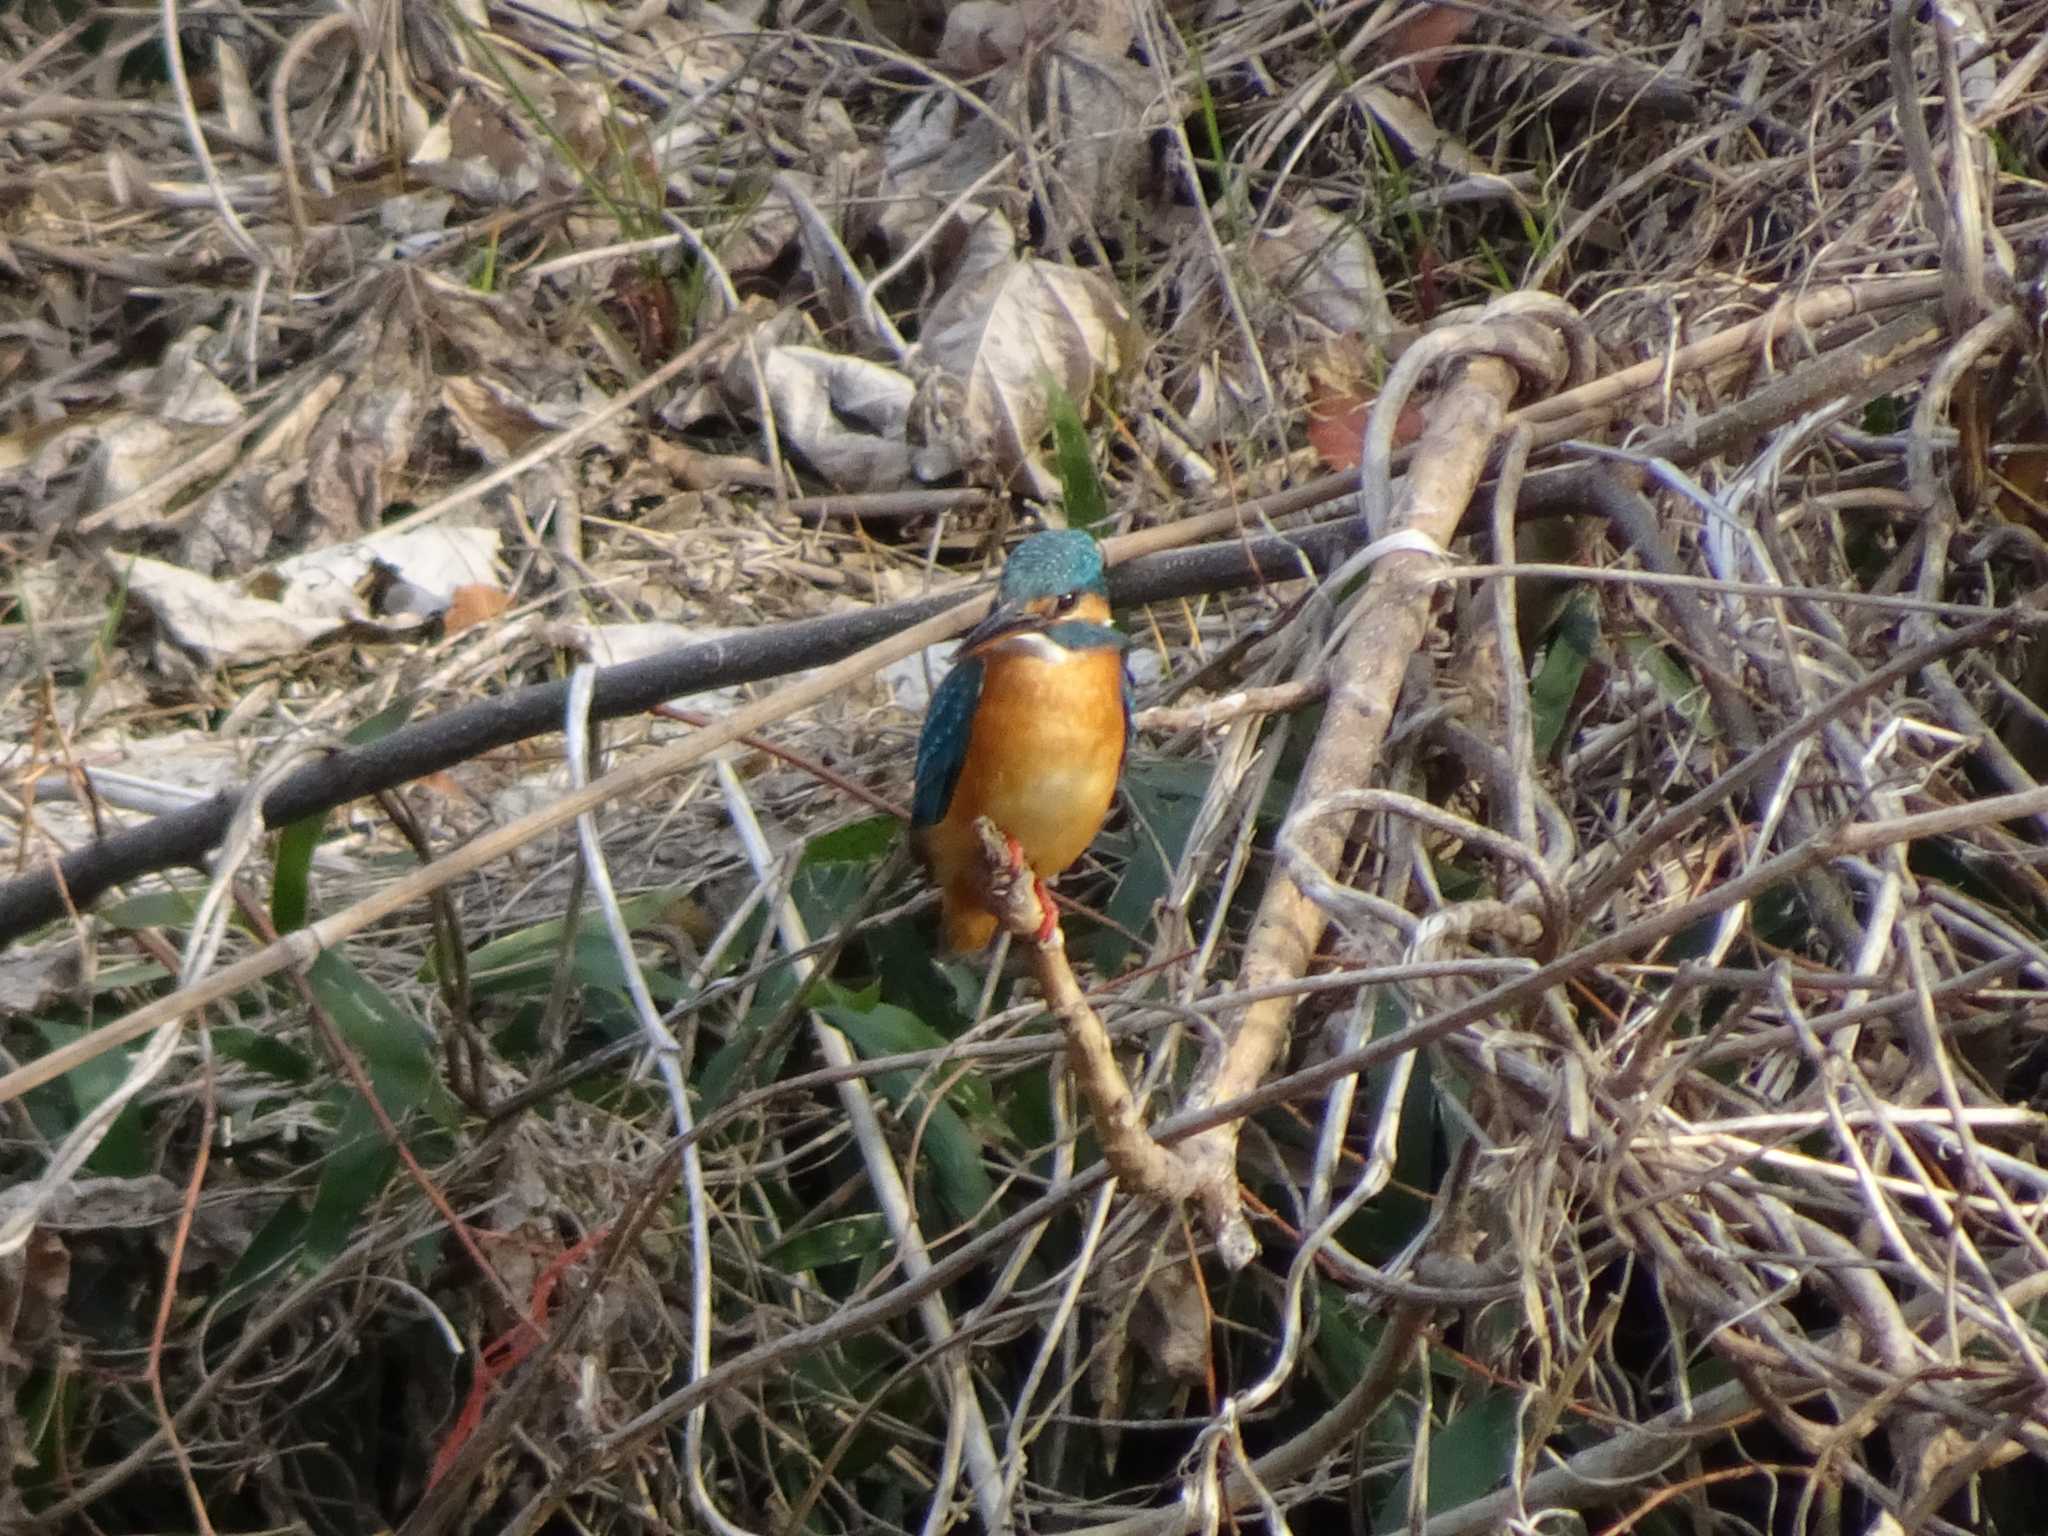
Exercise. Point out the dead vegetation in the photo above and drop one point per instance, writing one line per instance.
(1579, 962)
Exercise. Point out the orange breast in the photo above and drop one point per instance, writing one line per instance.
(1042, 764)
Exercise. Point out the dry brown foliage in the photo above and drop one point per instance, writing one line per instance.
(1580, 966)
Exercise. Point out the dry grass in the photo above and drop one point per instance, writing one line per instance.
(1618, 1006)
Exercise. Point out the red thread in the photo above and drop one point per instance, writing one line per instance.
(507, 1352)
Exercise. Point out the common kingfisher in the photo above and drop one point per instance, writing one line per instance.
(1028, 729)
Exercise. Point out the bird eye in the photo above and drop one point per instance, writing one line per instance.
(1066, 602)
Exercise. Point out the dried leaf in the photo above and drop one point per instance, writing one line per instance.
(937, 148)
(33, 1283)
(33, 980)
(232, 530)
(1336, 428)
(52, 473)
(1425, 30)
(981, 35)
(1099, 109)
(1102, 109)
(1223, 404)
(482, 150)
(417, 572)
(366, 438)
(471, 604)
(693, 470)
(1343, 383)
(183, 389)
(1320, 263)
(219, 622)
(238, 106)
(1409, 123)
(843, 415)
(220, 1229)
(1005, 326)
(496, 422)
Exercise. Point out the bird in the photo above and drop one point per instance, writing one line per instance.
(1029, 729)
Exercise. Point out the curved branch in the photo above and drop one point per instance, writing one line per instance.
(187, 836)
(432, 745)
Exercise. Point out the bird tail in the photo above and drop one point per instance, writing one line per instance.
(965, 927)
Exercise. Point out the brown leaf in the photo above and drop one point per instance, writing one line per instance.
(1341, 396)
(33, 1283)
(1005, 327)
(1423, 31)
(936, 149)
(1336, 429)
(1320, 263)
(473, 604)
(980, 35)
(480, 149)
(32, 980)
(844, 415)
(1102, 108)
(494, 420)
(362, 444)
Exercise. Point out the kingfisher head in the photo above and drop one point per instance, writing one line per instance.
(1054, 597)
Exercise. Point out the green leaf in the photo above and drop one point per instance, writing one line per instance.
(1164, 797)
(1027, 1114)
(155, 909)
(952, 1156)
(1564, 666)
(263, 1052)
(943, 994)
(123, 1152)
(520, 961)
(545, 938)
(398, 1056)
(1472, 1454)
(123, 975)
(1885, 415)
(950, 1151)
(292, 876)
(1342, 1350)
(883, 1029)
(273, 1247)
(832, 1242)
(291, 879)
(353, 1174)
(1389, 1223)
(594, 964)
(1469, 1457)
(45, 1404)
(828, 894)
(858, 842)
(396, 1052)
(721, 1078)
(1080, 486)
(1675, 685)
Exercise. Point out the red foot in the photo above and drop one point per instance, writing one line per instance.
(1016, 854)
(1051, 924)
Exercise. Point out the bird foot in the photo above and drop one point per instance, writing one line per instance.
(1021, 901)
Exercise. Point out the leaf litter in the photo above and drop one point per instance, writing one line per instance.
(336, 269)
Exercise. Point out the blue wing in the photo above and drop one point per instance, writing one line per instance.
(942, 746)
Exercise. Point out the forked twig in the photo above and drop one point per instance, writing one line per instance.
(1133, 1156)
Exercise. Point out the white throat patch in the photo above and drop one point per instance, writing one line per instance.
(1032, 643)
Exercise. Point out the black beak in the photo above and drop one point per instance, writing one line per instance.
(1003, 620)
